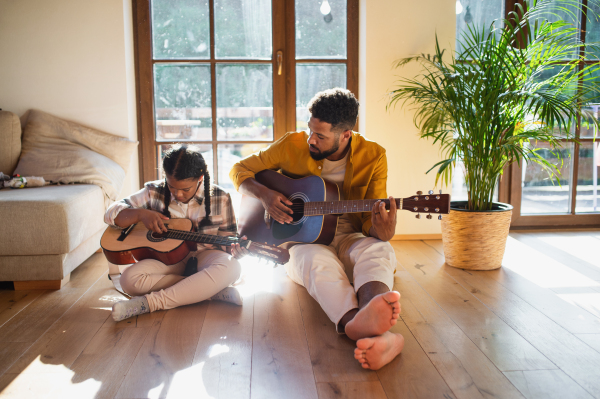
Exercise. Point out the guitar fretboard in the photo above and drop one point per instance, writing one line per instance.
(348, 206)
(201, 238)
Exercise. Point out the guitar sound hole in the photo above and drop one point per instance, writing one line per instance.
(153, 237)
(298, 209)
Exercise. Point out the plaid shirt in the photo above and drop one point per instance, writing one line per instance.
(222, 217)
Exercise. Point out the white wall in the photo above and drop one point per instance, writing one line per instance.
(72, 59)
(390, 30)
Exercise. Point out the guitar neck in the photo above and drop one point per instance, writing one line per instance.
(201, 238)
(348, 206)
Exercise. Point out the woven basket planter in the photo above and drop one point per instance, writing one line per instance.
(475, 240)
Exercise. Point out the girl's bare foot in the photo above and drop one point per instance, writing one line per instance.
(380, 314)
(374, 353)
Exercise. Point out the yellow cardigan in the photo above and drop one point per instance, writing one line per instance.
(366, 169)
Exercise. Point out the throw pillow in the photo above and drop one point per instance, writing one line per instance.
(66, 152)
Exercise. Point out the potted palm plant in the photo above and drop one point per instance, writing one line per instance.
(512, 84)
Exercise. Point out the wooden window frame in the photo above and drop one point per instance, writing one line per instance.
(284, 89)
(510, 191)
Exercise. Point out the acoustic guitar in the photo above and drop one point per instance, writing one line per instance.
(127, 246)
(316, 207)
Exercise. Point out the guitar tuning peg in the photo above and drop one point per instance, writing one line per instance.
(419, 192)
(430, 192)
(440, 191)
(428, 216)
(418, 216)
(439, 217)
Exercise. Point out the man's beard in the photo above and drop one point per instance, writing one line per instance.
(317, 156)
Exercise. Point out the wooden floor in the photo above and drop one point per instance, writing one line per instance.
(530, 329)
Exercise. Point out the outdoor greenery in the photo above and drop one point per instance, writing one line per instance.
(512, 83)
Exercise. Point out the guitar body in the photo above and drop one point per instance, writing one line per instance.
(315, 229)
(139, 244)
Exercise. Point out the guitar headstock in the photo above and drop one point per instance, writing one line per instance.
(269, 252)
(431, 204)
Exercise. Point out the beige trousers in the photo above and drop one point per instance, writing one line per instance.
(166, 288)
(333, 273)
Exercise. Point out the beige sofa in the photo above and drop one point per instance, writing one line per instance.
(45, 232)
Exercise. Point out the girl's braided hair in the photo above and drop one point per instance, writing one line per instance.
(182, 162)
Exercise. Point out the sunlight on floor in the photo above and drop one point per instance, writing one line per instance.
(188, 383)
(541, 269)
(585, 248)
(586, 301)
(54, 382)
(257, 276)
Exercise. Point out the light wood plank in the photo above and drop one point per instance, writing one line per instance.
(163, 363)
(29, 324)
(556, 343)
(9, 351)
(107, 358)
(12, 302)
(466, 370)
(351, 390)
(401, 378)
(332, 354)
(546, 384)
(593, 340)
(66, 339)
(281, 366)
(482, 326)
(42, 284)
(571, 317)
(224, 351)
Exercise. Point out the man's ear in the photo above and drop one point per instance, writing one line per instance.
(347, 134)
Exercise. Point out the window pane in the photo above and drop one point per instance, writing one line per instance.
(540, 195)
(205, 149)
(229, 155)
(592, 34)
(243, 29)
(244, 102)
(459, 186)
(182, 102)
(570, 16)
(311, 79)
(588, 131)
(180, 29)
(587, 178)
(476, 13)
(321, 29)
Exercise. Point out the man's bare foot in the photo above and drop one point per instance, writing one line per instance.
(374, 353)
(377, 317)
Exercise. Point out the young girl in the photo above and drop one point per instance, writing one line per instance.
(154, 285)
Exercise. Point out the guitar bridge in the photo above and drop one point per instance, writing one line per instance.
(125, 232)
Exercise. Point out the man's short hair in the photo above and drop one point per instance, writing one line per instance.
(336, 106)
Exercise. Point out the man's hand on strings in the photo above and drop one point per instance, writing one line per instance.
(277, 205)
(384, 222)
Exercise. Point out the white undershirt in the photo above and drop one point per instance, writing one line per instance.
(334, 171)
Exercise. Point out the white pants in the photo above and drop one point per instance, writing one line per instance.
(166, 288)
(328, 271)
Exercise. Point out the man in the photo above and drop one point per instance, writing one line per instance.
(360, 252)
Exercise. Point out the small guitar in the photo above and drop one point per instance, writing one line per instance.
(316, 207)
(127, 246)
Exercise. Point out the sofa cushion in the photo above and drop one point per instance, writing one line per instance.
(10, 141)
(66, 152)
(49, 220)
